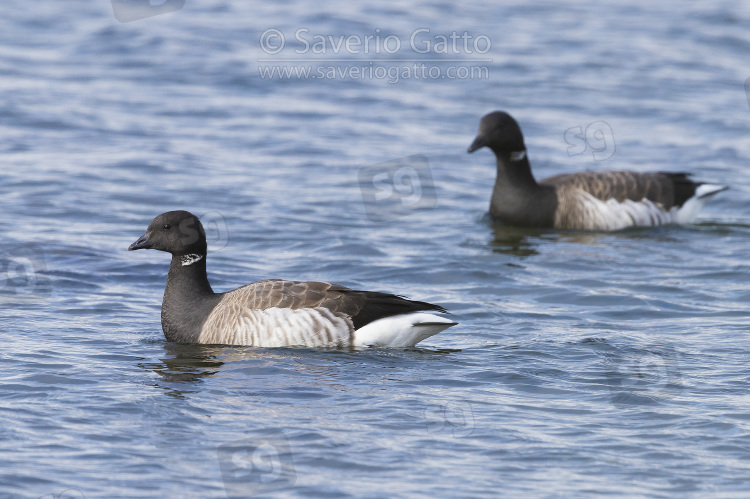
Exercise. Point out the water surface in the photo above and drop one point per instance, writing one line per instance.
(584, 364)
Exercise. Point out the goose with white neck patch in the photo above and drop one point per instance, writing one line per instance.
(275, 312)
(605, 200)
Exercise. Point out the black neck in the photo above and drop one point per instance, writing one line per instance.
(188, 279)
(517, 198)
(188, 299)
(515, 172)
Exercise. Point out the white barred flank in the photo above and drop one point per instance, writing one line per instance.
(580, 210)
(229, 324)
(584, 211)
(232, 324)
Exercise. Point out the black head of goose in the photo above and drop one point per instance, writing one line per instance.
(606, 200)
(275, 312)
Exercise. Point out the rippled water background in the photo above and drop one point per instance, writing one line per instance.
(584, 364)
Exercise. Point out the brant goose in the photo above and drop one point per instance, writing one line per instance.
(587, 200)
(274, 312)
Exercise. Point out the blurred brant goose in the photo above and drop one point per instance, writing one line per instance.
(602, 200)
(274, 312)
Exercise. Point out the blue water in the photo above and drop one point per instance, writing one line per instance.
(584, 364)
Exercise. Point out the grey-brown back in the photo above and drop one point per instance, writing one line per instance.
(668, 189)
(362, 307)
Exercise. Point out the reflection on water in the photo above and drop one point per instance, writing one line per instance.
(190, 364)
(515, 241)
(522, 242)
(186, 363)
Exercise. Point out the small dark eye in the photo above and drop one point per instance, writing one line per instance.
(167, 226)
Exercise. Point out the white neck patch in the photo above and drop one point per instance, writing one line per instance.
(190, 259)
(517, 155)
